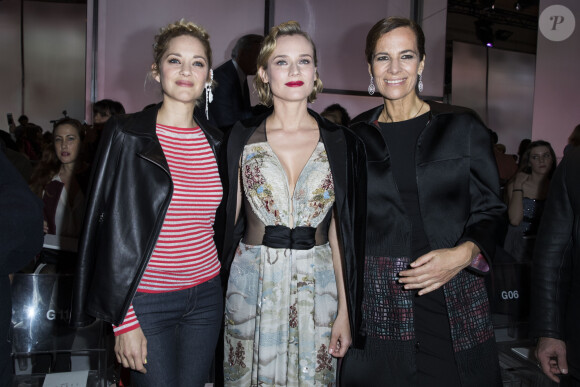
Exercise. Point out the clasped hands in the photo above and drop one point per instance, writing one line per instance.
(434, 269)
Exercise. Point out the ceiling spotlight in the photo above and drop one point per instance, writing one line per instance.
(484, 32)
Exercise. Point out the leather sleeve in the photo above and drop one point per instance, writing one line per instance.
(551, 265)
(95, 199)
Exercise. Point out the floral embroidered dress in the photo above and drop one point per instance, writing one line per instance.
(281, 302)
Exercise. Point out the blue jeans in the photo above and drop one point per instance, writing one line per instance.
(181, 329)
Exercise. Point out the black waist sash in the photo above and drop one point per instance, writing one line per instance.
(282, 237)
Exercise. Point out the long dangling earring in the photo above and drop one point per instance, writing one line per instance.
(371, 87)
(208, 94)
(420, 83)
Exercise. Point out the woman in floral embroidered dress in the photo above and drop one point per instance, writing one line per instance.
(287, 308)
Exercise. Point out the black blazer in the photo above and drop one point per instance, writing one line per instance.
(229, 104)
(556, 270)
(457, 183)
(347, 164)
(128, 196)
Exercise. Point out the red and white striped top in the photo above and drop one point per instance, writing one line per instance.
(185, 254)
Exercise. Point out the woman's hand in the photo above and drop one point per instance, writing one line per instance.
(45, 226)
(131, 350)
(340, 338)
(434, 269)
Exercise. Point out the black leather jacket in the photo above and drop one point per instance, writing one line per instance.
(556, 270)
(128, 196)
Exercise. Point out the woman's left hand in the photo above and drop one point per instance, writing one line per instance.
(340, 338)
(434, 269)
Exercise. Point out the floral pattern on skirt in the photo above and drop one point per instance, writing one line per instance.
(281, 303)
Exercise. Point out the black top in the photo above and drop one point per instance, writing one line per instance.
(401, 138)
(433, 341)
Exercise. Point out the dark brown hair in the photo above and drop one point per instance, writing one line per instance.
(49, 164)
(386, 25)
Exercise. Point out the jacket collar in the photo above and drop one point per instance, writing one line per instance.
(436, 109)
(144, 124)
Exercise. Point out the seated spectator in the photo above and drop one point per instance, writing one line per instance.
(526, 193)
(60, 179)
(337, 114)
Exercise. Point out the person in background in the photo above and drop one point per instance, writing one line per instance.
(526, 194)
(432, 207)
(60, 180)
(573, 140)
(337, 114)
(102, 111)
(105, 109)
(21, 239)
(293, 283)
(522, 148)
(555, 310)
(147, 260)
(506, 164)
(231, 100)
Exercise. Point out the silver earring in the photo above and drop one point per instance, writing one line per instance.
(371, 88)
(420, 83)
(208, 94)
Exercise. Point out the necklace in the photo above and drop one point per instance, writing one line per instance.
(388, 117)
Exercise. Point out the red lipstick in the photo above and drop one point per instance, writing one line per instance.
(295, 84)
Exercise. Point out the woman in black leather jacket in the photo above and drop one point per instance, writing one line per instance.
(148, 262)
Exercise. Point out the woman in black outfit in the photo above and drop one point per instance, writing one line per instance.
(433, 206)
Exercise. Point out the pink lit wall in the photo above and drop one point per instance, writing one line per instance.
(125, 37)
(339, 28)
(557, 85)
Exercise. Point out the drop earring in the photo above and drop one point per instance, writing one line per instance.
(208, 94)
(420, 83)
(371, 88)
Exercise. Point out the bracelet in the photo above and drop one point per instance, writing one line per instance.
(517, 190)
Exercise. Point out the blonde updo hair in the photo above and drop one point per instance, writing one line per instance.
(174, 30)
(289, 28)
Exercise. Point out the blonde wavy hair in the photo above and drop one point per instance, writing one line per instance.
(289, 28)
